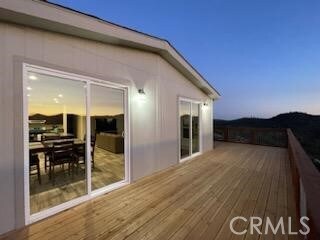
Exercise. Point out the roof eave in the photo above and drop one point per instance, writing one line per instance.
(55, 18)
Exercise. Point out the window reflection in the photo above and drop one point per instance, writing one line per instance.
(57, 126)
(189, 128)
(184, 129)
(107, 130)
(57, 119)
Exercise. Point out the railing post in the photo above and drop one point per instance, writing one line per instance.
(226, 134)
(253, 136)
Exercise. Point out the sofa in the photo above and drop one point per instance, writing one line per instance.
(110, 142)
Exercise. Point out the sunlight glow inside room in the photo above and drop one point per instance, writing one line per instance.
(57, 110)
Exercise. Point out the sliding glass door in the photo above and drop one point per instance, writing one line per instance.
(185, 108)
(56, 121)
(195, 113)
(107, 136)
(189, 121)
(74, 139)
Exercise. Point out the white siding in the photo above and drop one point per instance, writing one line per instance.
(154, 123)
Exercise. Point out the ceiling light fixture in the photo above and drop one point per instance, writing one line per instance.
(33, 77)
(29, 88)
(60, 96)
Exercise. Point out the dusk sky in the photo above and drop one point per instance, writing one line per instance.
(262, 56)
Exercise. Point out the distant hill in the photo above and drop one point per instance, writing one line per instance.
(52, 119)
(306, 128)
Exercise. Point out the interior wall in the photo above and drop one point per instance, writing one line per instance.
(81, 126)
(153, 121)
(120, 123)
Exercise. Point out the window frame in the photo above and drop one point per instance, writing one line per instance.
(31, 218)
(191, 155)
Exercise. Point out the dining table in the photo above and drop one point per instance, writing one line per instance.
(46, 146)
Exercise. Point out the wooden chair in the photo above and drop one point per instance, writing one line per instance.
(62, 153)
(48, 154)
(34, 165)
(80, 150)
(93, 146)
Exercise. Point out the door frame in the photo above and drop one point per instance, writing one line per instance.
(30, 218)
(189, 100)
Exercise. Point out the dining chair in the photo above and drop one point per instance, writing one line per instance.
(81, 150)
(93, 146)
(34, 164)
(62, 153)
(48, 153)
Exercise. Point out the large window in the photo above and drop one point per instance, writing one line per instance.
(75, 135)
(189, 117)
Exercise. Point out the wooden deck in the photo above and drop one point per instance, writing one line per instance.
(192, 200)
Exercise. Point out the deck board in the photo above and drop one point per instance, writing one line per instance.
(193, 200)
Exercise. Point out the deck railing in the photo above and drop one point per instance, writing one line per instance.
(306, 180)
(306, 177)
(260, 136)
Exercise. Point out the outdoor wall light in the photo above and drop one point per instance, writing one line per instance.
(141, 95)
(205, 104)
(141, 91)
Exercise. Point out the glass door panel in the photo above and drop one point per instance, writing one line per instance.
(195, 128)
(107, 136)
(57, 125)
(185, 108)
(189, 128)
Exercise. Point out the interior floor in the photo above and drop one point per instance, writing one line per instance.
(108, 168)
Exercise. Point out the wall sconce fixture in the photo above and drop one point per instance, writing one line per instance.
(141, 95)
(141, 91)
